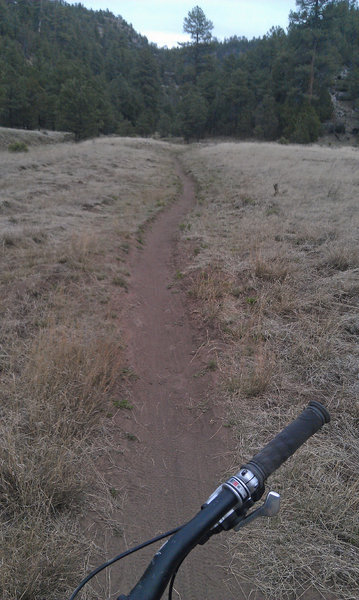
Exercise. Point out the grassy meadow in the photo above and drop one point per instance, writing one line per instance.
(69, 214)
(274, 276)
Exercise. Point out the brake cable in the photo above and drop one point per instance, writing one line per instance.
(120, 556)
(170, 589)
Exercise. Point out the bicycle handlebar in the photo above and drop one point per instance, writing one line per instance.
(274, 454)
(228, 502)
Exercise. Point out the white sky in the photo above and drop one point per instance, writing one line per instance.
(161, 21)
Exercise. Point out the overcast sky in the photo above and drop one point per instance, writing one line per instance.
(161, 21)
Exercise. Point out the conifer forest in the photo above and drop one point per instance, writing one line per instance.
(64, 67)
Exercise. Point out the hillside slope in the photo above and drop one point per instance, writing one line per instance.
(64, 67)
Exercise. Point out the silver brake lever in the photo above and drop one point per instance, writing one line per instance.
(270, 508)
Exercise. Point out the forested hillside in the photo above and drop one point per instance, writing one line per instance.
(65, 67)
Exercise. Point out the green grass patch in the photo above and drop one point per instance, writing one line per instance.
(18, 147)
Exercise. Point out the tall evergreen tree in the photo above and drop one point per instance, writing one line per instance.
(148, 83)
(198, 26)
(239, 103)
(194, 115)
(200, 30)
(311, 10)
(310, 16)
(79, 107)
(266, 119)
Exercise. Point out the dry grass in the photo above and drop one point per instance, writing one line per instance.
(209, 286)
(69, 215)
(311, 549)
(42, 555)
(275, 275)
(30, 138)
(287, 314)
(47, 428)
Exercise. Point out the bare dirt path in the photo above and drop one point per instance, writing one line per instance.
(176, 448)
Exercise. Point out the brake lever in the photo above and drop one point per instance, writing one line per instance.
(269, 508)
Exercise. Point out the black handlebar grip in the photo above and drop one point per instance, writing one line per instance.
(288, 441)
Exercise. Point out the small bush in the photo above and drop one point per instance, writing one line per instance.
(307, 126)
(18, 147)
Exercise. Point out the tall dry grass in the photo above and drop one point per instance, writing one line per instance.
(281, 227)
(49, 420)
(69, 215)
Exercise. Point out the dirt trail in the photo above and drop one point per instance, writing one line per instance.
(181, 451)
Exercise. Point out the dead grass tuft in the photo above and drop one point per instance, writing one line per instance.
(255, 380)
(209, 287)
(79, 253)
(46, 479)
(342, 258)
(46, 435)
(249, 375)
(90, 368)
(22, 237)
(271, 270)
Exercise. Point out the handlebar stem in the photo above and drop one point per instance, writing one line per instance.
(157, 575)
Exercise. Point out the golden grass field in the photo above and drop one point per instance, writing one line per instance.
(275, 276)
(273, 280)
(68, 217)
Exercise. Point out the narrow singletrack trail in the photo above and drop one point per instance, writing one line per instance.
(176, 448)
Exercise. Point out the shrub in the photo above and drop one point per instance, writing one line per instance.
(18, 147)
(307, 126)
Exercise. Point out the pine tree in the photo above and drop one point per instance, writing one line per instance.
(307, 126)
(200, 30)
(239, 103)
(194, 115)
(77, 108)
(310, 11)
(310, 16)
(148, 83)
(198, 26)
(266, 119)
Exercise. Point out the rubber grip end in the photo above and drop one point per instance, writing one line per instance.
(320, 410)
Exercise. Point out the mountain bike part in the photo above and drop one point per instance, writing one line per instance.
(228, 505)
(119, 557)
(272, 456)
(269, 508)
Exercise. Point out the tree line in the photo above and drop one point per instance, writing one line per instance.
(66, 67)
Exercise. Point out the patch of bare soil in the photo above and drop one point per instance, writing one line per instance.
(172, 451)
